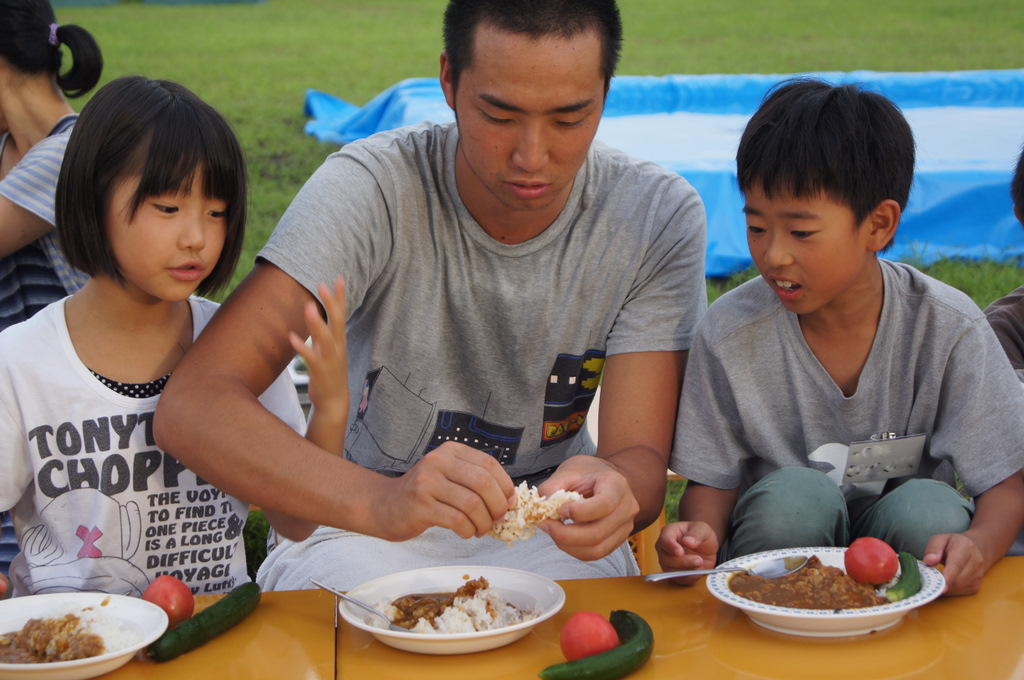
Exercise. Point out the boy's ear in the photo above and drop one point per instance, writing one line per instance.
(882, 222)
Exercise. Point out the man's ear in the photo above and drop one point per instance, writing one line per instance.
(882, 222)
(447, 85)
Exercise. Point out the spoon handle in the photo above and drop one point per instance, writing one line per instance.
(688, 572)
(358, 603)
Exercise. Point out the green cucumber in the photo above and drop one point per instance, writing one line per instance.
(636, 642)
(207, 624)
(910, 579)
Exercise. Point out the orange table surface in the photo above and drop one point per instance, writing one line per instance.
(696, 636)
(290, 635)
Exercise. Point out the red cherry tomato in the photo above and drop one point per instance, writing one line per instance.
(587, 634)
(173, 596)
(871, 560)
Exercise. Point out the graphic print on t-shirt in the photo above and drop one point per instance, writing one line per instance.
(86, 527)
(114, 512)
(570, 392)
(397, 426)
(501, 442)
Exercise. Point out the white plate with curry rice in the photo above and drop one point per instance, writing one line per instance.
(837, 622)
(506, 603)
(123, 624)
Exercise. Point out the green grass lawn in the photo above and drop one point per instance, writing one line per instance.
(254, 63)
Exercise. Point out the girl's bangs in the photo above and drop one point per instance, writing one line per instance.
(178, 147)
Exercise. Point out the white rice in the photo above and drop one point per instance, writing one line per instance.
(531, 509)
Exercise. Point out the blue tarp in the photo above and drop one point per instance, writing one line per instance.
(969, 127)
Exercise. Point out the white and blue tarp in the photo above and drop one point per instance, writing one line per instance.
(968, 125)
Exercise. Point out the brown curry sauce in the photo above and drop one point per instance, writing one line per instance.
(49, 640)
(816, 586)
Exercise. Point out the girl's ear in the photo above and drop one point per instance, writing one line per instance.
(882, 223)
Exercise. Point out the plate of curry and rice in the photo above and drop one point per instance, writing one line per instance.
(454, 609)
(820, 600)
(74, 636)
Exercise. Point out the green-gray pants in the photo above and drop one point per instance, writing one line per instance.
(801, 507)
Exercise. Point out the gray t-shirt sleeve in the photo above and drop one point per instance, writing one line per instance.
(1006, 316)
(669, 293)
(978, 427)
(341, 211)
(709, 447)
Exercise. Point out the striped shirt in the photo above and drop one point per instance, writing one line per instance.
(37, 274)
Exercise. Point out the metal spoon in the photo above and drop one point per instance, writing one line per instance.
(392, 626)
(773, 568)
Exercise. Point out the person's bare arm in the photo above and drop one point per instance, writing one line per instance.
(19, 227)
(326, 360)
(967, 557)
(639, 397)
(210, 419)
(625, 484)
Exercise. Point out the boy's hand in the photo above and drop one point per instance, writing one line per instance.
(603, 520)
(964, 565)
(687, 545)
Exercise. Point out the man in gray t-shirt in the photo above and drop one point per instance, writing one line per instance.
(496, 271)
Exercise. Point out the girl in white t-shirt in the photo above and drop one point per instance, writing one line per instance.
(151, 204)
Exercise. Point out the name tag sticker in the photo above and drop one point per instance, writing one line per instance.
(878, 459)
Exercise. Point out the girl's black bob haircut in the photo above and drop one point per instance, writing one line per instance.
(810, 138)
(162, 133)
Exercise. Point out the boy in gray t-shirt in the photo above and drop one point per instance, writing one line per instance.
(839, 395)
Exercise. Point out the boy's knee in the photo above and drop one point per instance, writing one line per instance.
(795, 490)
(791, 507)
(907, 517)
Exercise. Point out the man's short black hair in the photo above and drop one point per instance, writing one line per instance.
(810, 138)
(536, 18)
(162, 133)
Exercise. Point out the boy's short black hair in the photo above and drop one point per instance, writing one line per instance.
(810, 138)
(1017, 185)
(162, 133)
(537, 18)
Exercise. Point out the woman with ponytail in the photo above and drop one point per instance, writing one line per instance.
(35, 123)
